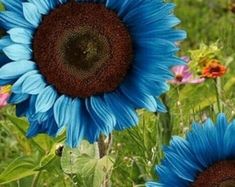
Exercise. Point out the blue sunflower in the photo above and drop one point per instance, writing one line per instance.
(85, 66)
(206, 158)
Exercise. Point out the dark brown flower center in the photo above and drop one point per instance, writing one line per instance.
(215, 70)
(83, 49)
(221, 174)
(179, 78)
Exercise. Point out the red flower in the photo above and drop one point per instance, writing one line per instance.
(214, 69)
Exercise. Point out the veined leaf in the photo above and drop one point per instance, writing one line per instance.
(94, 172)
(17, 169)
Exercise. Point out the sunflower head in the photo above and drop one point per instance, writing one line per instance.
(205, 158)
(86, 66)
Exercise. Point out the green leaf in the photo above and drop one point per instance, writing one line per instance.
(17, 169)
(42, 142)
(70, 156)
(20, 123)
(85, 163)
(94, 171)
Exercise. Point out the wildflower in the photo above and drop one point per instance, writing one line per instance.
(214, 69)
(4, 95)
(183, 74)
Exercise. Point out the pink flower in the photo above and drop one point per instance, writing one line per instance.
(4, 95)
(183, 75)
(3, 99)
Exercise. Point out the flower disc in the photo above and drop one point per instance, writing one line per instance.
(221, 174)
(86, 49)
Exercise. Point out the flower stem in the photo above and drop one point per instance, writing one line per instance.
(165, 120)
(218, 93)
(104, 145)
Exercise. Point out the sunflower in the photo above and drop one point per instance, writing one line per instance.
(205, 159)
(86, 66)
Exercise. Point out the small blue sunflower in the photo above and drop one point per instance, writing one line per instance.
(205, 159)
(85, 66)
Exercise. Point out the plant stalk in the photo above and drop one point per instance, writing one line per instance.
(165, 121)
(104, 145)
(218, 93)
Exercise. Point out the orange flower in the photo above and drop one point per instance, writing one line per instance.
(214, 69)
(232, 6)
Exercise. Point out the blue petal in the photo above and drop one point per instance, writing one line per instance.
(16, 88)
(137, 98)
(159, 74)
(154, 184)
(48, 126)
(154, 61)
(5, 82)
(170, 35)
(75, 128)
(42, 6)
(18, 52)
(3, 60)
(100, 113)
(14, 70)
(33, 84)
(156, 46)
(146, 14)
(211, 133)
(5, 41)
(33, 130)
(13, 5)
(62, 111)
(92, 132)
(168, 177)
(179, 167)
(200, 145)
(17, 98)
(31, 14)
(122, 7)
(46, 99)
(11, 20)
(229, 141)
(20, 35)
(160, 106)
(183, 149)
(126, 115)
(21, 108)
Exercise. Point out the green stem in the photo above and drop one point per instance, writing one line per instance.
(165, 121)
(218, 93)
(104, 145)
(179, 105)
(36, 179)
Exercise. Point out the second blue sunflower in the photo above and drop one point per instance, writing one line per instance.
(206, 158)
